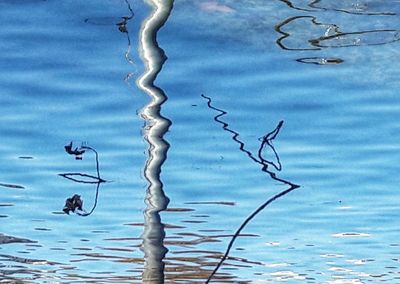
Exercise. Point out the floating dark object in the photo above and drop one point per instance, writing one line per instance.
(77, 151)
(4, 239)
(122, 25)
(73, 203)
(320, 60)
(16, 186)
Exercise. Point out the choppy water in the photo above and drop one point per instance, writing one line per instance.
(184, 160)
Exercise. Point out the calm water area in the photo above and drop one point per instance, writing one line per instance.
(199, 141)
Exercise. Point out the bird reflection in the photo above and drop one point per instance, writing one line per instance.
(266, 144)
(75, 203)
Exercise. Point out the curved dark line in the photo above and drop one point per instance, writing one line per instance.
(97, 161)
(267, 140)
(94, 205)
(248, 219)
(317, 41)
(130, 10)
(278, 28)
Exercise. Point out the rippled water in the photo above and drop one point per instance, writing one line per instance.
(190, 144)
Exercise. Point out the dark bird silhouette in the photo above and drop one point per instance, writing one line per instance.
(77, 151)
(73, 203)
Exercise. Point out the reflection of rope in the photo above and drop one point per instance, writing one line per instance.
(94, 205)
(75, 201)
(123, 29)
(266, 141)
(225, 126)
(333, 37)
(285, 35)
(71, 176)
(243, 225)
(97, 161)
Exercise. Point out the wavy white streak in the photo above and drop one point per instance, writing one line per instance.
(156, 126)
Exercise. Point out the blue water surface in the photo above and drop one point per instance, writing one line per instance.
(327, 69)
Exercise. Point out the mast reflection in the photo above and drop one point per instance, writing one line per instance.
(155, 128)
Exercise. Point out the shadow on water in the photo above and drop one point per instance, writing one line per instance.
(154, 130)
(266, 144)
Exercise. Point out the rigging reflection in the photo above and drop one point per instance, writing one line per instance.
(260, 158)
(306, 33)
(75, 203)
(322, 35)
(154, 130)
(122, 24)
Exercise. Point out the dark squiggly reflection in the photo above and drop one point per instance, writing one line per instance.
(266, 143)
(322, 35)
(373, 37)
(75, 203)
(355, 7)
(122, 24)
(122, 27)
(155, 128)
(307, 33)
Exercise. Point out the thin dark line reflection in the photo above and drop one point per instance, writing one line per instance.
(75, 203)
(266, 142)
(331, 36)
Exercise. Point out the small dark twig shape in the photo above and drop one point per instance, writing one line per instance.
(76, 152)
(73, 203)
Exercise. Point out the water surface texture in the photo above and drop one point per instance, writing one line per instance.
(199, 141)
